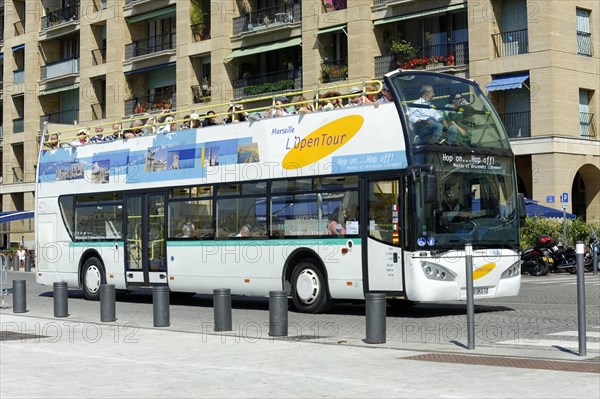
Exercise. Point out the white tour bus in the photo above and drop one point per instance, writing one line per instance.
(326, 205)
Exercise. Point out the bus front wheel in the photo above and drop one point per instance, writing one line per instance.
(309, 289)
(92, 277)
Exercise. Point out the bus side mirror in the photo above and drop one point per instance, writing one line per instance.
(522, 209)
(430, 185)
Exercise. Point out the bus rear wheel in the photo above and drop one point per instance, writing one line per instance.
(92, 277)
(309, 289)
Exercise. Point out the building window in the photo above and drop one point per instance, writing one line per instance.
(584, 35)
(587, 127)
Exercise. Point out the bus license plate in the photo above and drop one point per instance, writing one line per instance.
(480, 291)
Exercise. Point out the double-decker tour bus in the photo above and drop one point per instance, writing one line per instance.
(326, 205)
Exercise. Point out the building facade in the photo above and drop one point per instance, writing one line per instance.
(98, 61)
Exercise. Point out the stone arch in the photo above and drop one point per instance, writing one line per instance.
(585, 193)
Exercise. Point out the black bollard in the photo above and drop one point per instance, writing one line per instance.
(222, 309)
(107, 303)
(28, 263)
(15, 263)
(19, 296)
(375, 315)
(278, 314)
(160, 306)
(581, 327)
(61, 299)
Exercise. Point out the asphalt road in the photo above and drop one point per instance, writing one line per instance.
(543, 316)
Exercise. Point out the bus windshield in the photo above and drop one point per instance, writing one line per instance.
(449, 111)
(475, 202)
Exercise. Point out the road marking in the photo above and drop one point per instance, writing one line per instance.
(590, 346)
(588, 334)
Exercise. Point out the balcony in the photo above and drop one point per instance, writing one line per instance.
(60, 16)
(268, 18)
(587, 128)
(334, 71)
(334, 5)
(200, 32)
(584, 43)
(511, 43)
(156, 103)
(438, 56)
(18, 125)
(60, 69)
(150, 45)
(67, 116)
(267, 83)
(201, 94)
(19, 76)
(517, 124)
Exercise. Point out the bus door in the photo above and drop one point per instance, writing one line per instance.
(383, 244)
(145, 246)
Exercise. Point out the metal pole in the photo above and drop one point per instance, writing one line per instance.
(61, 299)
(16, 263)
(470, 300)
(278, 314)
(580, 299)
(564, 207)
(19, 296)
(594, 249)
(107, 303)
(160, 306)
(222, 309)
(375, 308)
(28, 263)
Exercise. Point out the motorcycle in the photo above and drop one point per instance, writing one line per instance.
(560, 257)
(593, 246)
(534, 262)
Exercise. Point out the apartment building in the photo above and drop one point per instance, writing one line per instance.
(97, 61)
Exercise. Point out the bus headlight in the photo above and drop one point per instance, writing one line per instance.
(436, 272)
(513, 271)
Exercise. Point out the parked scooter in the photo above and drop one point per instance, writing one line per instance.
(560, 257)
(534, 262)
(593, 246)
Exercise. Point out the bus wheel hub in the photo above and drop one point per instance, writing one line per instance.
(307, 286)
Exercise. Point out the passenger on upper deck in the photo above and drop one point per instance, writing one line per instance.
(386, 96)
(455, 116)
(328, 103)
(195, 121)
(135, 130)
(211, 119)
(236, 114)
(52, 143)
(98, 136)
(428, 122)
(81, 138)
(304, 107)
(117, 133)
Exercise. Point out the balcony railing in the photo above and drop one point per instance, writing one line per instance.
(18, 125)
(18, 76)
(60, 16)
(511, 43)
(267, 83)
(517, 124)
(1, 133)
(200, 31)
(334, 71)
(66, 116)
(587, 128)
(139, 105)
(201, 94)
(458, 51)
(267, 18)
(150, 45)
(60, 68)
(584, 43)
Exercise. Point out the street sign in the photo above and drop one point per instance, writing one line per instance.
(564, 197)
(550, 199)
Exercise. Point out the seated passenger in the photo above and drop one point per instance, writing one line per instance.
(81, 139)
(211, 119)
(52, 143)
(427, 121)
(455, 117)
(236, 114)
(244, 231)
(337, 222)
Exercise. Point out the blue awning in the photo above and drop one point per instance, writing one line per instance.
(151, 68)
(507, 82)
(535, 209)
(19, 47)
(11, 216)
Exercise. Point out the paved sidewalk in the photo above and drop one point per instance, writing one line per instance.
(51, 357)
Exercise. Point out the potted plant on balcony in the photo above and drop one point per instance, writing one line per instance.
(402, 51)
(196, 19)
(205, 86)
